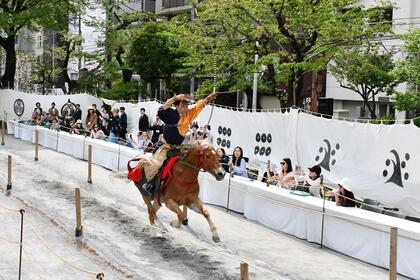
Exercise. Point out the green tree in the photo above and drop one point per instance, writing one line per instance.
(295, 36)
(155, 53)
(408, 70)
(366, 71)
(31, 14)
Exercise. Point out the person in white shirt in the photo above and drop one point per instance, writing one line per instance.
(286, 176)
(313, 180)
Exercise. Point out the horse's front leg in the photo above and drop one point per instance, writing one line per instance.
(172, 205)
(197, 206)
(185, 210)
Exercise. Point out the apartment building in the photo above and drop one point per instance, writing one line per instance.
(404, 17)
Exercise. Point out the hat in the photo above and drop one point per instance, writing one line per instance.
(345, 183)
(315, 169)
(185, 98)
(91, 108)
(79, 121)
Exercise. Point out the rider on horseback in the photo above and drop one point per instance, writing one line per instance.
(177, 122)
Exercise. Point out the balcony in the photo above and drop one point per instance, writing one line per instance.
(168, 4)
(172, 7)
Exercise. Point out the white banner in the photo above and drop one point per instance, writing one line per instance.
(382, 160)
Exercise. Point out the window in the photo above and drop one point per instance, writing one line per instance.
(39, 41)
(174, 3)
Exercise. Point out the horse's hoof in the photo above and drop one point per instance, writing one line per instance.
(175, 223)
(185, 222)
(216, 239)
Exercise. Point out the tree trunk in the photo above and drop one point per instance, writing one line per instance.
(373, 111)
(290, 85)
(126, 73)
(8, 78)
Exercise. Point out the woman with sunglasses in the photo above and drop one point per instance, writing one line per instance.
(96, 132)
(285, 178)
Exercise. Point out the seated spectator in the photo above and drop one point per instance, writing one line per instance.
(313, 180)
(223, 159)
(147, 144)
(209, 136)
(91, 119)
(343, 194)
(53, 112)
(56, 123)
(238, 164)
(192, 134)
(135, 142)
(77, 128)
(269, 173)
(285, 178)
(96, 132)
(45, 117)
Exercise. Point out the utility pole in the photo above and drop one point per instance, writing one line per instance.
(192, 80)
(255, 83)
(109, 6)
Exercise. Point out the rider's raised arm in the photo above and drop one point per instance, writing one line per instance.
(168, 104)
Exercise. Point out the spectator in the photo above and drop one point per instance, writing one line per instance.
(38, 109)
(343, 194)
(285, 178)
(114, 125)
(209, 136)
(56, 123)
(98, 114)
(157, 129)
(45, 117)
(77, 128)
(147, 144)
(123, 123)
(104, 119)
(223, 159)
(238, 164)
(91, 119)
(313, 180)
(77, 114)
(97, 133)
(269, 173)
(136, 143)
(143, 120)
(53, 112)
(192, 135)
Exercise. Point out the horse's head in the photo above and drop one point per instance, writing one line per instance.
(208, 159)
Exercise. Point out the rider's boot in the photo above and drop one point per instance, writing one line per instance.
(148, 188)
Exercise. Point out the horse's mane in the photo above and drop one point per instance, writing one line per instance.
(196, 145)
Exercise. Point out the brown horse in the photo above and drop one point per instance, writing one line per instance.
(182, 187)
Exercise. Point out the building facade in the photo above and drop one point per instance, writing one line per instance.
(404, 17)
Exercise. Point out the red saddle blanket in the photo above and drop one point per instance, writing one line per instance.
(136, 173)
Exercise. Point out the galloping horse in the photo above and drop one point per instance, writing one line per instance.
(182, 188)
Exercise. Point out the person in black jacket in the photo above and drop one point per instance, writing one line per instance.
(157, 129)
(143, 120)
(77, 115)
(114, 126)
(123, 123)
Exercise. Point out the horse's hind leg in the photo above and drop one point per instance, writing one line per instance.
(156, 208)
(172, 205)
(197, 206)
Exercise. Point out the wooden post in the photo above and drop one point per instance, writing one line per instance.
(36, 144)
(79, 227)
(393, 253)
(9, 172)
(3, 124)
(244, 271)
(89, 180)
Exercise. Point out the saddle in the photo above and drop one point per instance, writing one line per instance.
(159, 182)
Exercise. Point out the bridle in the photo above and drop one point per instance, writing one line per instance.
(199, 167)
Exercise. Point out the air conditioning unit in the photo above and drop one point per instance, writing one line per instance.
(362, 111)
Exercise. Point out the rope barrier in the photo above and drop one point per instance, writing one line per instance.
(45, 243)
(176, 237)
(9, 209)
